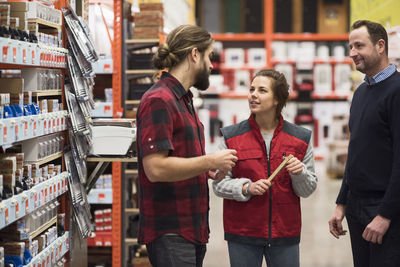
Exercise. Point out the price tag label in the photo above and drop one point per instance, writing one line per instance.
(16, 131)
(16, 210)
(34, 128)
(101, 197)
(6, 215)
(5, 134)
(41, 197)
(36, 200)
(27, 206)
(33, 56)
(54, 188)
(5, 53)
(14, 54)
(24, 55)
(26, 128)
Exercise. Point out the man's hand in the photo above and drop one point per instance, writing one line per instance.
(376, 229)
(216, 175)
(224, 160)
(335, 223)
(294, 166)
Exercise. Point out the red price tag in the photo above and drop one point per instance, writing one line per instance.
(58, 122)
(24, 55)
(62, 121)
(54, 124)
(5, 52)
(54, 188)
(36, 199)
(59, 248)
(16, 209)
(34, 128)
(16, 131)
(51, 190)
(5, 134)
(45, 193)
(33, 56)
(26, 128)
(6, 213)
(59, 187)
(49, 126)
(14, 54)
(27, 206)
(107, 108)
(48, 259)
(101, 197)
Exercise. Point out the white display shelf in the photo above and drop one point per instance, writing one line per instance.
(16, 52)
(100, 196)
(22, 204)
(103, 66)
(50, 255)
(26, 127)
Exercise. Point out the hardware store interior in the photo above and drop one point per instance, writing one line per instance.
(73, 73)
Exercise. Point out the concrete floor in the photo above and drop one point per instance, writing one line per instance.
(318, 248)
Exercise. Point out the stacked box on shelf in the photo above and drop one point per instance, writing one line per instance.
(149, 21)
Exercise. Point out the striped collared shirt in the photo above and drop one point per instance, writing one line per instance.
(385, 73)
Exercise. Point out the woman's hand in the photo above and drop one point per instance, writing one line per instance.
(258, 188)
(294, 166)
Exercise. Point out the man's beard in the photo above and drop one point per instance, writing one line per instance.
(202, 79)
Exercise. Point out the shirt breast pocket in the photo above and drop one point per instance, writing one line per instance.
(250, 165)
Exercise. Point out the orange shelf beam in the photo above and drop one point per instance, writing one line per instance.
(117, 112)
(309, 37)
(240, 37)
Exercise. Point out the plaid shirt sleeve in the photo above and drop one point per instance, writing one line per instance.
(155, 126)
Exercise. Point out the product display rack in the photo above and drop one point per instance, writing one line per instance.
(268, 37)
(18, 55)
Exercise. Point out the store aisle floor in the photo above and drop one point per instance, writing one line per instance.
(318, 248)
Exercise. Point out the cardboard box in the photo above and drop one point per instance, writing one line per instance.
(12, 85)
(151, 7)
(148, 18)
(14, 22)
(146, 32)
(333, 18)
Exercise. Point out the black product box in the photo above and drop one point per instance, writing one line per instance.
(137, 90)
(140, 61)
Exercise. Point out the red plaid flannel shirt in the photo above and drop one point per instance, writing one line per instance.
(165, 122)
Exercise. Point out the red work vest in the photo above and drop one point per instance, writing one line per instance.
(275, 217)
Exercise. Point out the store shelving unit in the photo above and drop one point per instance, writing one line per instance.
(17, 130)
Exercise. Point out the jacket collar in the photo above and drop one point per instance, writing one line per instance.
(254, 126)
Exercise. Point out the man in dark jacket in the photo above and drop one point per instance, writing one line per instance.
(370, 192)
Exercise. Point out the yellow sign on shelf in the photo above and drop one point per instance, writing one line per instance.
(385, 12)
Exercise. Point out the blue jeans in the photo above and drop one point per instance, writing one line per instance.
(174, 251)
(246, 255)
